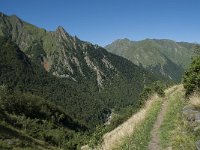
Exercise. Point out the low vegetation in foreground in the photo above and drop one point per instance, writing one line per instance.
(177, 131)
(141, 136)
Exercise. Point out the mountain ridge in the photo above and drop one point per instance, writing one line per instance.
(154, 54)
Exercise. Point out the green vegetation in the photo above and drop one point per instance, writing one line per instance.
(26, 115)
(61, 90)
(142, 133)
(166, 57)
(88, 81)
(175, 131)
(81, 100)
(191, 79)
(147, 92)
(121, 115)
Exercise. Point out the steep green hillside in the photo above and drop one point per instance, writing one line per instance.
(191, 79)
(165, 57)
(17, 72)
(30, 121)
(61, 86)
(84, 79)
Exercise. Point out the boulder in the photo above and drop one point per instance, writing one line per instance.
(191, 113)
(197, 128)
(198, 145)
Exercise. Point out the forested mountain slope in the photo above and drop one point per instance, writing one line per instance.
(84, 79)
(60, 86)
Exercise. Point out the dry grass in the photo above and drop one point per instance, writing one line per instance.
(195, 100)
(170, 90)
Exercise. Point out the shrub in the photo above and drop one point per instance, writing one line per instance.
(191, 80)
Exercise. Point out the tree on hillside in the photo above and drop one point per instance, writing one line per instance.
(197, 49)
(191, 80)
(156, 87)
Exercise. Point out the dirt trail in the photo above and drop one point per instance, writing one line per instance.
(155, 139)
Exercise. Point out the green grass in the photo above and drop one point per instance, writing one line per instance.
(175, 131)
(142, 134)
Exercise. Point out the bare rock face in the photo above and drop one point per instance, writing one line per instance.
(191, 114)
(74, 55)
(193, 117)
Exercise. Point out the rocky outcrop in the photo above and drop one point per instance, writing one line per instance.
(192, 115)
(198, 145)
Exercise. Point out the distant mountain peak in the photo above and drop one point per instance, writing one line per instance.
(61, 31)
(14, 16)
(60, 28)
(126, 39)
(123, 39)
(2, 14)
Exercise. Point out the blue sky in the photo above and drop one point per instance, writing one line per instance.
(103, 21)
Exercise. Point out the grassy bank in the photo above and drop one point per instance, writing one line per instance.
(175, 131)
(142, 133)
